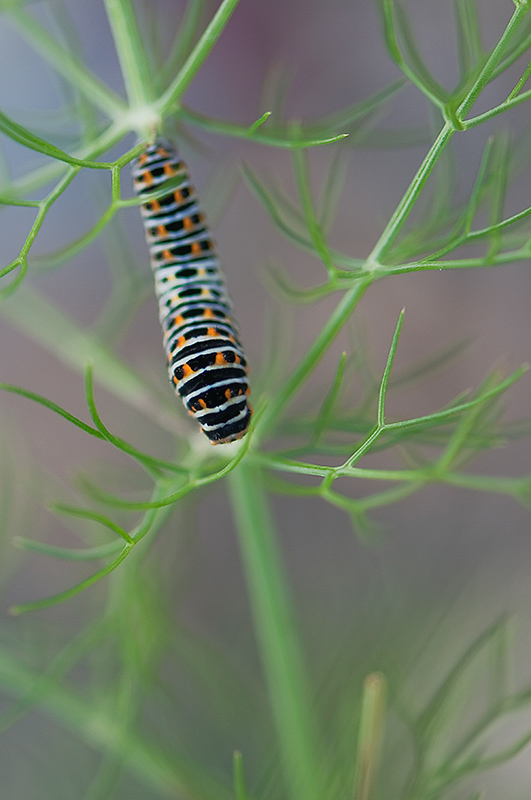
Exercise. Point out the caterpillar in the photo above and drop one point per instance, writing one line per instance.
(206, 363)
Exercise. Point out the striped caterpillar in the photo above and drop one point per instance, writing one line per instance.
(206, 363)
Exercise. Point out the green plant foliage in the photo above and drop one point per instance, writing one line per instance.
(287, 451)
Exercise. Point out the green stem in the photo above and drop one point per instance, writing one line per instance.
(473, 122)
(521, 83)
(187, 32)
(277, 636)
(485, 75)
(193, 63)
(409, 199)
(136, 69)
(480, 262)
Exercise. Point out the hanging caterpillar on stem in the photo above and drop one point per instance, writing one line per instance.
(206, 363)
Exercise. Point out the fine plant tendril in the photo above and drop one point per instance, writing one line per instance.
(288, 451)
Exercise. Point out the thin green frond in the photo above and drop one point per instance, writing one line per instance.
(28, 139)
(501, 168)
(465, 426)
(519, 45)
(169, 100)
(317, 350)
(312, 224)
(486, 74)
(432, 88)
(421, 369)
(20, 263)
(67, 594)
(68, 553)
(259, 122)
(521, 83)
(331, 192)
(281, 285)
(85, 513)
(277, 209)
(469, 45)
(95, 492)
(393, 23)
(437, 705)
(261, 133)
(483, 178)
(438, 416)
(387, 371)
(153, 465)
(157, 513)
(186, 34)
(328, 406)
(37, 398)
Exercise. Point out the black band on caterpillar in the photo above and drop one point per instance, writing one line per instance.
(206, 363)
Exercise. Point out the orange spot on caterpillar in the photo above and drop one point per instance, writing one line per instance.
(202, 403)
(161, 230)
(178, 320)
(181, 341)
(208, 313)
(196, 248)
(169, 171)
(220, 360)
(187, 370)
(212, 332)
(188, 224)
